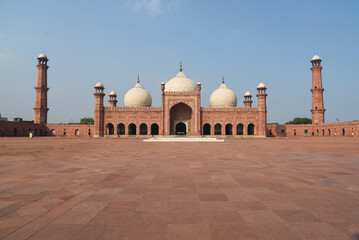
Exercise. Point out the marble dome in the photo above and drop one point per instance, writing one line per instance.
(316, 57)
(42, 55)
(99, 84)
(261, 85)
(180, 83)
(113, 93)
(138, 97)
(247, 94)
(223, 97)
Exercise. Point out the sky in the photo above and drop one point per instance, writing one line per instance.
(246, 41)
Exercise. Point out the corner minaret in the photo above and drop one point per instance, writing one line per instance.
(41, 89)
(262, 110)
(317, 92)
(99, 110)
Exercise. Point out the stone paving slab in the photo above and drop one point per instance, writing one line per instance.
(282, 188)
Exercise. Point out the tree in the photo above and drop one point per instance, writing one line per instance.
(299, 120)
(86, 121)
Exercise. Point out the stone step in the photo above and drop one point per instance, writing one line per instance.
(182, 139)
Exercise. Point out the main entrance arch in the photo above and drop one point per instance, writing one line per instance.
(180, 119)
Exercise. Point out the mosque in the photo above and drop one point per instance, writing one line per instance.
(180, 113)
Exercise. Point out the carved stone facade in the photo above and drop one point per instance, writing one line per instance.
(180, 114)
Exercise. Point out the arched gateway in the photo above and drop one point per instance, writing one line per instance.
(180, 119)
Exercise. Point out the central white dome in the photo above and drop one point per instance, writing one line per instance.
(138, 97)
(223, 97)
(180, 83)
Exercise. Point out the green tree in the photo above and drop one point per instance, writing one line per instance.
(86, 121)
(299, 120)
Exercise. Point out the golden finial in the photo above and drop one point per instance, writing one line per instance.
(222, 79)
(138, 78)
(180, 66)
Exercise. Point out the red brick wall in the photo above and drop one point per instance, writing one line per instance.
(14, 129)
(70, 130)
(231, 115)
(133, 115)
(351, 129)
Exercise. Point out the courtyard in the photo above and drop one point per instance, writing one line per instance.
(110, 188)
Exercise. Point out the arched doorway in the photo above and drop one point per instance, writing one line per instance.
(250, 129)
(121, 129)
(306, 134)
(240, 129)
(53, 132)
(343, 131)
(229, 129)
(77, 132)
(132, 129)
(180, 113)
(218, 129)
(143, 129)
(109, 129)
(206, 129)
(154, 129)
(15, 131)
(181, 129)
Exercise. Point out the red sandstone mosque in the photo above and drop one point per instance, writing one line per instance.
(180, 113)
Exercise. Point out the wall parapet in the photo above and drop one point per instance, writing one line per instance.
(194, 93)
(134, 109)
(229, 109)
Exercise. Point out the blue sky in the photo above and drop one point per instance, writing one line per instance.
(247, 41)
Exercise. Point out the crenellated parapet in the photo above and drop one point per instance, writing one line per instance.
(195, 93)
(134, 109)
(229, 109)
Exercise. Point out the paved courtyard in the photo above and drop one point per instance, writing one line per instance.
(283, 188)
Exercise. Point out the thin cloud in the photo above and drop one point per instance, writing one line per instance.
(6, 57)
(2, 36)
(152, 7)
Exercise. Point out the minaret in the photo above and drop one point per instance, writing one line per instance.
(247, 99)
(113, 101)
(262, 110)
(317, 92)
(99, 110)
(41, 89)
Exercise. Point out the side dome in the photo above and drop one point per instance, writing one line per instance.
(180, 83)
(223, 97)
(138, 97)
